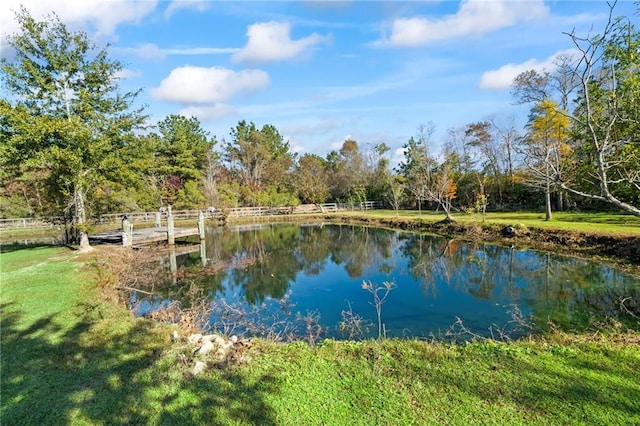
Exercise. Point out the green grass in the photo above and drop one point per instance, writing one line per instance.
(70, 357)
(597, 223)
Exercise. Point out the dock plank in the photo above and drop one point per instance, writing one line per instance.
(143, 235)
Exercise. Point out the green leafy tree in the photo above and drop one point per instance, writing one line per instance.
(182, 154)
(396, 192)
(258, 157)
(379, 174)
(311, 179)
(414, 170)
(64, 113)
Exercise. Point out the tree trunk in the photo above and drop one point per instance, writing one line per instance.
(560, 202)
(80, 219)
(84, 242)
(547, 202)
(449, 217)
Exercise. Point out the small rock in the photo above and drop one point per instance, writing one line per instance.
(194, 338)
(206, 348)
(234, 339)
(175, 336)
(209, 338)
(508, 231)
(198, 368)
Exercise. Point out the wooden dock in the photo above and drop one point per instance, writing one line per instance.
(142, 236)
(127, 236)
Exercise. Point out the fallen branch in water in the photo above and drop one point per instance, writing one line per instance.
(135, 289)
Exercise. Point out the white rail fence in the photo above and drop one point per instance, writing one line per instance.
(155, 217)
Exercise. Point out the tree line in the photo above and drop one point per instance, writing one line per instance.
(74, 144)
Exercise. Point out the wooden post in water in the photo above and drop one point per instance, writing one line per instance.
(171, 237)
(173, 265)
(201, 225)
(203, 253)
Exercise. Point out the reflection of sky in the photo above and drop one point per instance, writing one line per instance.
(408, 310)
(476, 283)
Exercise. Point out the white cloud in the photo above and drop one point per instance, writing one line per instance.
(208, 112)
(199, 85)
(127, 73)
(398, 156)
(271, 41)
(176, 5)
(473, 18)
(152, 51)
(502, 78)
(190, 51)
(337, 144)
(144, 51)
(293, 145)
(103, 16)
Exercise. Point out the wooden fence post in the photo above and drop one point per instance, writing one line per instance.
(158, 220)
(201, 224)
(127, 232)
(130, 234)
(171, 237)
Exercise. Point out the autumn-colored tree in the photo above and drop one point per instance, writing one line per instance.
(546, 149)
(259, 158)
(311, 179)
(347, 177)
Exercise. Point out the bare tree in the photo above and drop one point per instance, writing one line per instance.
(507, 135)
(427, 180)
(603, 77)
(564, 80)
(605, 71)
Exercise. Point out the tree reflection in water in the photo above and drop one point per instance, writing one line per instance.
(320, 268)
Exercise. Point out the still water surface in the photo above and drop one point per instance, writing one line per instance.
(437, 282)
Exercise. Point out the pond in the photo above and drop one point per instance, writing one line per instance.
(278, 279)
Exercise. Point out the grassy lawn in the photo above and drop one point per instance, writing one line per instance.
(597, 223)
(69, 356)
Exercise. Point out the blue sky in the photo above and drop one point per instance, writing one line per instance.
(324, 71)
